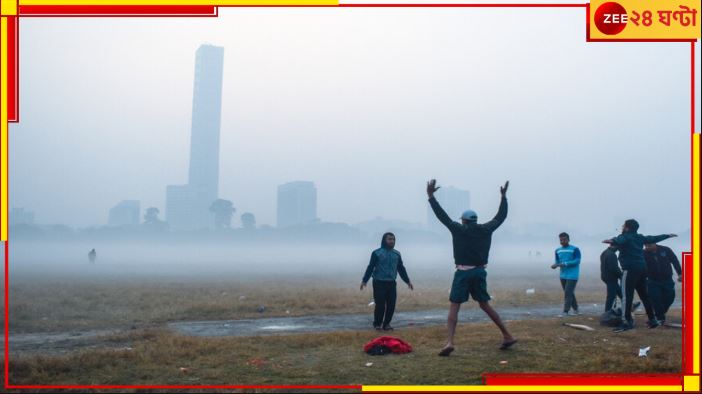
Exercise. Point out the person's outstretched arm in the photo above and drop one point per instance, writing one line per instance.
(369, 270)
(403, 273)
(501, 215)
(652, 239)
(438, 211)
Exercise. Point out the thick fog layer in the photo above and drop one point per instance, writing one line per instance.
(368, 104)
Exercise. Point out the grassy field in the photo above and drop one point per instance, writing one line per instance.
(147, 353)
(42, 305)
(156, 356)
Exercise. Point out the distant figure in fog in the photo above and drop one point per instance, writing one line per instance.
(92, 256)
(471, 246)
(385, 263)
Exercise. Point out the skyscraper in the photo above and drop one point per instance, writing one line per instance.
(187, 206)
(297, 203)
(454, 201)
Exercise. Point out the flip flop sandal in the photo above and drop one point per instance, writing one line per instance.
(445, 352)
(507, 345)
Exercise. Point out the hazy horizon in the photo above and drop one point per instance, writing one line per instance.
(367, 103)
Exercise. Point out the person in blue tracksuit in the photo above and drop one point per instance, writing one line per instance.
(568, 260)
(634, 276)
(385, 263)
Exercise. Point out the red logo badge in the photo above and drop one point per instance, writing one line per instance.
(611, 18)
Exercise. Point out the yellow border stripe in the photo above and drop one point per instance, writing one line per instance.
(521, 388)
(696, 253)
(3, 128)
(179, 2)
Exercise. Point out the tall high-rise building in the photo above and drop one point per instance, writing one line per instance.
(297, 203)
(454, 201)
(126, 213)
(187, 206)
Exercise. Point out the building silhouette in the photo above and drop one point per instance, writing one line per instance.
(297, 203)
(20, 216)
(126, 213)
(187, 206)
(454, 201)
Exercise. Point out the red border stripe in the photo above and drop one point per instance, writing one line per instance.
(112, 10)
(12, 82)
(582, 379)
(688, 277)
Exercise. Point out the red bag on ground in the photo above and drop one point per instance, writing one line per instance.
(395, 345)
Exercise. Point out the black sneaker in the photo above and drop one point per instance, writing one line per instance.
(653, 323)
(388, 328)
(377, 328)
(623, 327)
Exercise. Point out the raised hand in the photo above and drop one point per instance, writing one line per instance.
(503, 189)
(432, 188)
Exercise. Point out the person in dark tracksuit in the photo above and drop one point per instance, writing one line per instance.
(610, 273)
(385, 263)
(631, 258)
(661, 287)
(471, 246)
(567, 258)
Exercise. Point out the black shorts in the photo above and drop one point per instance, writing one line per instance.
(470, 283)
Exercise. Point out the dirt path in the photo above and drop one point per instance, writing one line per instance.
(61, 343)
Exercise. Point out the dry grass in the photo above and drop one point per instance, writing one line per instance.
(40, 306)
(337, 358)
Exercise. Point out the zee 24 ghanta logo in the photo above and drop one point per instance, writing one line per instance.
(612, 18)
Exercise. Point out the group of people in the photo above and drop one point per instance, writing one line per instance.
(646, 268)
(471, 247)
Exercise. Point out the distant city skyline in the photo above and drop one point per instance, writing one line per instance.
(368, 104)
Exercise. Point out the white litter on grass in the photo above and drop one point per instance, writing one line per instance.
(643, 352)
(242, 298)
(530, 291)
(579, 326)
(369, 364)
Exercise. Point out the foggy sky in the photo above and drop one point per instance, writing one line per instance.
(368, 104)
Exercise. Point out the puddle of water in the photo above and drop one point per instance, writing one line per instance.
(287, 327)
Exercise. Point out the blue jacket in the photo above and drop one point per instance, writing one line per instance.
(569, 256)
(384, 265)
(631, 252)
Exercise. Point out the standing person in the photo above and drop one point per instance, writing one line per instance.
(610, 273)
(385, 263)
(471, 246)
(92, 256)
(661, 287)
(568, 260)
(631, 258)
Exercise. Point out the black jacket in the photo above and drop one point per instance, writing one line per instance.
(609, 266)
(631, 250)
(659, 263)
(471, 242)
